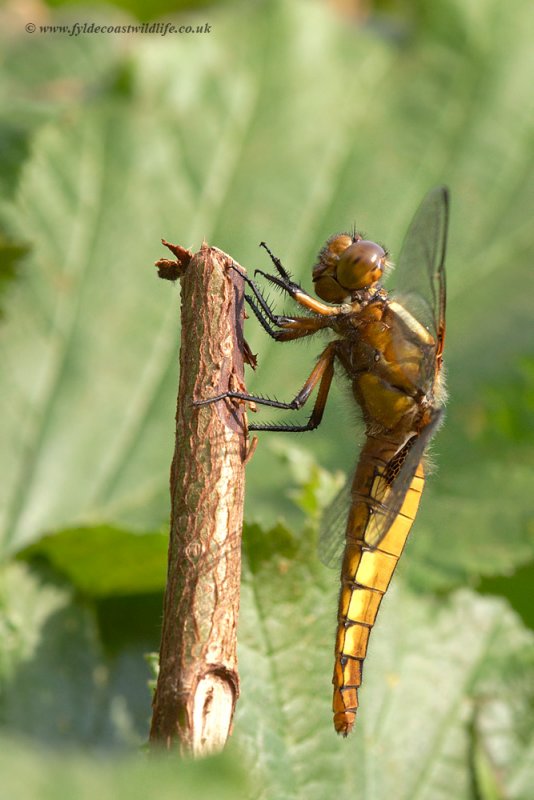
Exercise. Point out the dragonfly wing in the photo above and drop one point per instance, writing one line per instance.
(392, 486)
(420, 272)
(387, 498)
(420, 276)
(332, 527)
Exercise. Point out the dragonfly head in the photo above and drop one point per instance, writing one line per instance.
(346, 264)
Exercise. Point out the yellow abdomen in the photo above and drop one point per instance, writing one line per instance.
(365, 577)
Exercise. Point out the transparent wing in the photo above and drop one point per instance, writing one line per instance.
(419, 286)
(418, 281)
(332, 527)
(399, 473)
(386, 501)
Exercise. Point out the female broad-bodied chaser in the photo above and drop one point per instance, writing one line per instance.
(390, 345)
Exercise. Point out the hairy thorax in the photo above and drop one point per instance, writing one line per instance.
(386, 353)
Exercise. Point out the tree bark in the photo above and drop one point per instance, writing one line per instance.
(198, 682)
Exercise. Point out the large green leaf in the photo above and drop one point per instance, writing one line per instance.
(445, 704)
(441, 678)
(104, 561)
(55, 684)
(30, 773)
(281, 125)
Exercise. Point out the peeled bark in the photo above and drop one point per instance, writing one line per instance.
(198, 683)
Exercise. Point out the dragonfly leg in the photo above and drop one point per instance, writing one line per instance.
(262, 302)
(299, 327)
(292, 327)
(323, 372)
(294, 289)
(284, 274)
(278, 320)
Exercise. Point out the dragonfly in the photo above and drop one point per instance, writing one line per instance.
(390, 345)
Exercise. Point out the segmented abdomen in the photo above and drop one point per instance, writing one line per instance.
(365, 576)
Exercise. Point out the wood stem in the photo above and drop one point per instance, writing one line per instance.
(198, 682)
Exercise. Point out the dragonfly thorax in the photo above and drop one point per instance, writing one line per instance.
(346, 264)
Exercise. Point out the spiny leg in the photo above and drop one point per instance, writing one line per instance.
(323, 372)
(292, 327)
(277, 263)
(285, 281)
(265, 307)
(294, 289)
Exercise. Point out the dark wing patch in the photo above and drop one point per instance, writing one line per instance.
(385, 504)
(397, 479)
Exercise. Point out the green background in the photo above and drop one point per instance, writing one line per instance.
(287, 122)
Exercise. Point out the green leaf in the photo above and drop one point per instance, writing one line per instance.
(54, 683)
(436, 671)
(11, 252)
(453, 675)
(30, 773)
(46, 72)
(516, 588)
(485, 775)
(307, 126)
(317, 487)
(468, 528)
(105, 561)
(283, 125)
(14, 148)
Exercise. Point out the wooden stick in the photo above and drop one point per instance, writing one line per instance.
(198, 682)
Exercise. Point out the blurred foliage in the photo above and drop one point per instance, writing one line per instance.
(282, 124)
(145, 9)
(11, 252)
(74, 775)
(438, 670)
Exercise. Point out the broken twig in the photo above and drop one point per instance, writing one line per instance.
(198, 682)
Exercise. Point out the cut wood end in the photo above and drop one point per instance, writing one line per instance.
(213, 710)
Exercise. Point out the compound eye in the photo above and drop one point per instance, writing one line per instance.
(361, 264)
(327, 288)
